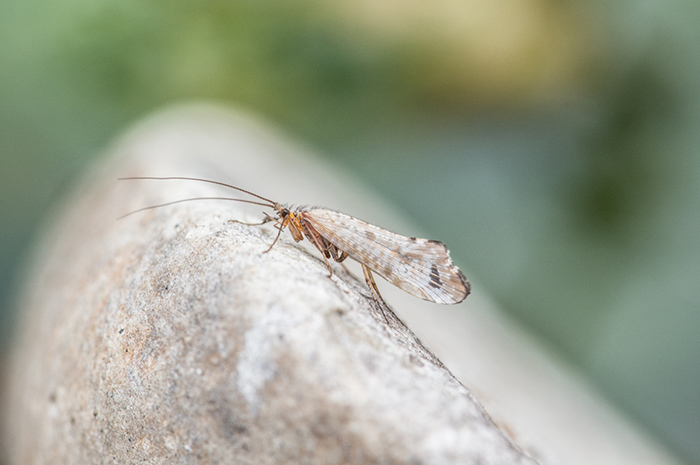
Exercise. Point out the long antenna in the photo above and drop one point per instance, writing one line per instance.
(189, 200)
(272, 204)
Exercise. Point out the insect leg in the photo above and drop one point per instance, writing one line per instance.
(324, 254)
(279, 232)
(375, 292)
(326, 248)
(267, 219)
(337, 254)
(330, 270)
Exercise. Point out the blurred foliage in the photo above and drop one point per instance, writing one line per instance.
(553, 145)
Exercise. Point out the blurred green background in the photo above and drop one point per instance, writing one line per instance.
(555, 145)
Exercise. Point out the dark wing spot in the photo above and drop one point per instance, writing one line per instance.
(370, 235)
(387, 270)
(413, 239)
(436, 242)
(435, 278)
(465, 282)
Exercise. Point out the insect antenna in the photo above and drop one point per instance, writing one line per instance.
(269, 204)
(272, 204)
(189, 200)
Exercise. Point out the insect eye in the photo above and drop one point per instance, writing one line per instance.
(284, 212)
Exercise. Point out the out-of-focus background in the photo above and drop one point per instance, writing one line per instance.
(554, 145)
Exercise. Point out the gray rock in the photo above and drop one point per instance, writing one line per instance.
(170, 337)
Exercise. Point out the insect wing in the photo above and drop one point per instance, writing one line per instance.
(421, 267)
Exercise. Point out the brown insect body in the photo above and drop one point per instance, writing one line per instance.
(421, 267)
(299, 227)
(407, 262)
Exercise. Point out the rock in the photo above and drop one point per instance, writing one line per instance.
(169, 336)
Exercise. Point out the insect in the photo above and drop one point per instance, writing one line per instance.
(421, 267)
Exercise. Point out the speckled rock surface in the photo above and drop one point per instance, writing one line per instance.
(170, 337)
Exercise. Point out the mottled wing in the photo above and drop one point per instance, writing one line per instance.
(421, 267)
